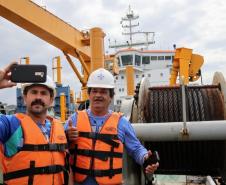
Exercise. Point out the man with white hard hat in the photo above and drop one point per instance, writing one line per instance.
(34, 144)
(97, 137)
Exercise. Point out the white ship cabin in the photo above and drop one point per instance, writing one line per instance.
(153, 64)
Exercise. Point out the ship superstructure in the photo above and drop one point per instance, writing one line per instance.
(153, 64)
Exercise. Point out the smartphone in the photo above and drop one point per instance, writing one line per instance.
(28, 73)
(153, 159)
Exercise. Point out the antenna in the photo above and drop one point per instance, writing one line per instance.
(128, 25)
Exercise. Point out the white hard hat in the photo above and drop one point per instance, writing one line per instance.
(49, 84)
(101, 78)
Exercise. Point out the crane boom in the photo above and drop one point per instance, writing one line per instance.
(45, 25)
(87, 47)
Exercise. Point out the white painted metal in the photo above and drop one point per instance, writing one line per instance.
(184, 111)
(209, 181)
(142, 98)
(198, 130)
(126, 107)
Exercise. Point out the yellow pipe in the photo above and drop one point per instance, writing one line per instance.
(53, 68)
(27, 60)
(84, 93)
(83, 79)
(72, 97)
(58, 70)
(62, 107)
(130, 80)
(82, 61)
(174, 72)
(74, 69)
(184, 70)
(97, 48)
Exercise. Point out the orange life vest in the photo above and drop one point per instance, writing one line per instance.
(38, 162)
(98, 154)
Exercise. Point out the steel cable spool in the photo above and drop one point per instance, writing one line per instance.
(203, 103)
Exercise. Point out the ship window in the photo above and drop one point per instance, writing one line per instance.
(119, 89)
(160, 57)
(161, 74)
(137, 60)
(167, 57)
(122, 77)
(116, 78)
(119, 102)
(137, 76)
(143, 75)
(127, 60)
(153, 57)
(146, 60)
(149, 75)
(122, 89)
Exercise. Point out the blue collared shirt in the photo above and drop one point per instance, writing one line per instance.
(126, 135)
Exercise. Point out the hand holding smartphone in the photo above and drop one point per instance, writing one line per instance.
(28, 73)
(153, 159)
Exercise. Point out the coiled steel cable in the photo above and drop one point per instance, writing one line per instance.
(203, 103)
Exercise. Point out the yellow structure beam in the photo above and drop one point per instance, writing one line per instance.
(59, 71)
(62, 107)
(97, 48)
(81, 79)
(196, 63)
(130, 80)
(186, 65)
(181, 65)
(45, 25)
(56, 66)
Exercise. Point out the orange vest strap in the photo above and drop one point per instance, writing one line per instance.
(98, 173)
(34, 171)
(106, 138)
(102, 155)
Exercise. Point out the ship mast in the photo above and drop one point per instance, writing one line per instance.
(128, 25)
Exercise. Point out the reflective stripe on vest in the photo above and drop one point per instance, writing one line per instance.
(38, 162)
(98, 154)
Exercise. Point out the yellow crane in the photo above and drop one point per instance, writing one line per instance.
(87, 47)
(186, 65)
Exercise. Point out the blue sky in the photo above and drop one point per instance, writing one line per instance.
(199, 25)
